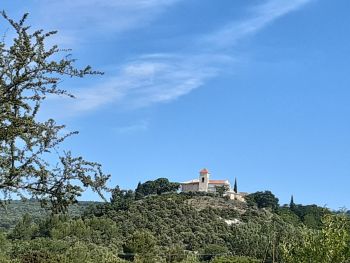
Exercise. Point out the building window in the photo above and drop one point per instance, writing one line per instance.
(202, 179)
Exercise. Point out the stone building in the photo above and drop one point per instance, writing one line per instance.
(204, 184)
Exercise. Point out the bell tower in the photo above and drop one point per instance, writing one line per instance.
(203, 180)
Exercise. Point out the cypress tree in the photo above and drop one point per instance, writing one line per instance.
(235, 186)
(292, 204)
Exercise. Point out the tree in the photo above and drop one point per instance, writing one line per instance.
(159, 186)
(121, 199)
(311, 215)
(234, 259)
(212, 250)
(292, 204)
(142, 244)
(221, 190)
(191, 258)
(25, 229)
(139, 192)
(328, 245)
(263, 200)
(235, 186)
(29, 72)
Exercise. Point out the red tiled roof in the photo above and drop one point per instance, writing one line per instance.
(217, 181)
(204, 171)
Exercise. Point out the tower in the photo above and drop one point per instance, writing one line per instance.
(203, 180)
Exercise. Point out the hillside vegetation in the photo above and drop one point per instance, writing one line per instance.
(172, 227)
(14, 211)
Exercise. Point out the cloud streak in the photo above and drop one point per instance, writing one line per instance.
(260, 17)
(162, 78)
(93, 18)
(159, 78)
(149, 79)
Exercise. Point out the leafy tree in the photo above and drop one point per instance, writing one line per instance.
(221, 190)
(29, 72)
(311, 215)
(331, 244)
(25, 229)
(159, 186)
(5, 247)
(121, 199)
(175, 253)
(263, 200)
(143, 245)
(288, 216)
(191, 259)
(139, 192)
(234, 259)
(212, 250)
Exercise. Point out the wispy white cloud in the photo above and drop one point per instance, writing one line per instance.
(149, 79)
(78, 19)
(152, 78)
(260, 17)
(159, 78)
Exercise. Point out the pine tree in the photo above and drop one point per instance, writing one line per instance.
(235, 186)
(29, 72)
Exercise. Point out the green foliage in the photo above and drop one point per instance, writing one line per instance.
(56, 251)
(175, 228)
(234, 259)
(25, 229)
(142, 244)
(29, 72)
(159, 186)
(5, 247)
(212, 250)
(13, 212)
(331, 244)
(288, 216)
(191, 259)
(263, 200)
(121, 199)
(221, 190)
(310, 215)
(175, 253)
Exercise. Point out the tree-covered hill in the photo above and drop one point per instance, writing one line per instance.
(11, 213)
(176, 227)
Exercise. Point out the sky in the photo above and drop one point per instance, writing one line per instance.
(255, 90)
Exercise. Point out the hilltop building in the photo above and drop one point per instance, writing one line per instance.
(204, 184)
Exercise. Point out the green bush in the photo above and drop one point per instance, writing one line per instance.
(212, 250)
(234, 259)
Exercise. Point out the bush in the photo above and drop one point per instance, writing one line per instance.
(212, 250)
(234, 259)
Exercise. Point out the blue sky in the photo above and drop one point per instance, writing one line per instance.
(256, 90)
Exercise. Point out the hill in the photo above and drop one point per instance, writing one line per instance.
(15, 210)
(169, 227)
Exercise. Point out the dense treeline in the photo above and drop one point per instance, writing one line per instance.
(14, 211)
(173, 227)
